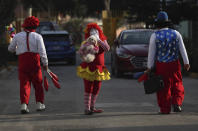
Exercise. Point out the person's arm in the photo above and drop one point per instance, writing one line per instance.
(105, 46)
(151, 52)
(42, 52)
(183, 52)
(13, 45)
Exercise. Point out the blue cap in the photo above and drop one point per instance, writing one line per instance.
(162, 16)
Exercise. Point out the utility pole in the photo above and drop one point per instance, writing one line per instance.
(163, 4)
(109, 22)
(30, 11)
(107, 6)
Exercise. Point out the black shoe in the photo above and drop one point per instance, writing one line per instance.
(88, 112)
(177, 108)
(25, 111)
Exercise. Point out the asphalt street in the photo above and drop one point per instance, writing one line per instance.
(126, 106)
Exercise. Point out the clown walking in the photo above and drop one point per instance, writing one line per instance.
(165, 46)
(29, 47)
(95, 72)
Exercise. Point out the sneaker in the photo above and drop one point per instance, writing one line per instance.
(88, 112)
(40, 106)
(177, 108)
(24, 109)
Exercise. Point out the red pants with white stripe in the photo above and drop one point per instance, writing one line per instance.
(92, 89)
(30, 72)
(173, 93)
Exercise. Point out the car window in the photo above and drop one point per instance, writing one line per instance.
(47, 26)
(141, 37)
(61, 37)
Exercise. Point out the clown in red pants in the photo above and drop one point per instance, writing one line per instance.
(173, 93)
(30, 48)
(30, 72)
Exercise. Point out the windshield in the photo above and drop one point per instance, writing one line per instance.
(55, 37)
(46, 26)
(140, 37)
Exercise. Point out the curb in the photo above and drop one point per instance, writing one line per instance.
(193, 75)
(6, 69)
(3, 71)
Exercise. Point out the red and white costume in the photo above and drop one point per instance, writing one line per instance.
(29, 47)
(94, 72)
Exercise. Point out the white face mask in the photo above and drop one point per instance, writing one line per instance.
(95, 33)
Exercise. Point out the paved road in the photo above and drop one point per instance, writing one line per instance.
(126, 107)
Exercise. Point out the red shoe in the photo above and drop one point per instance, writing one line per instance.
(97, 110)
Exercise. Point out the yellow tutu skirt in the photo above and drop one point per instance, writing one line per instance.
(86, 74)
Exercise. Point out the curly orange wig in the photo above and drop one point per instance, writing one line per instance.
(95, 26)
(31, 22)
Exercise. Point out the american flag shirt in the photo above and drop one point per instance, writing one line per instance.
(167, 45)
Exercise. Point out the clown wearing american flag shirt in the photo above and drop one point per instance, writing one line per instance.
(164, 49)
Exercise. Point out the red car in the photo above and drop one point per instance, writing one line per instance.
(130, 51)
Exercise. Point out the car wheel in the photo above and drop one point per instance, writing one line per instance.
(114, 70)
(112, 66)
(73, 61)
(117, 73)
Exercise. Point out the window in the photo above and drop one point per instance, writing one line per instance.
(136, 37)
(56, 37)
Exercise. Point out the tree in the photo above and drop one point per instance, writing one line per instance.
(146, 10)
(179, 10)
(78, 8)
(6, 14)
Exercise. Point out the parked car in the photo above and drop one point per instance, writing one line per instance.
(130, 51)
(47, 26)
(59, 46)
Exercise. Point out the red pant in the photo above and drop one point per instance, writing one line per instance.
(173, 93)
(30, 72)
(92, 87)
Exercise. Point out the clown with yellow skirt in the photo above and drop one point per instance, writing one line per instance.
(93, 73)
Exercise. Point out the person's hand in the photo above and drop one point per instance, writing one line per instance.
(45, 67)
(147, 71)
(187, 67)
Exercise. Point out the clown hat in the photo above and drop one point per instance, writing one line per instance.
(31, 22)
(162, 16)
(162, 19)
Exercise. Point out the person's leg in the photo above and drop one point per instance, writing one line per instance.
(88, 88)
(37, 83)
(25, 88)
(177, 92)
(164, 95)
(94, 95)
(164, 100)
(178, 95)
(39, 91)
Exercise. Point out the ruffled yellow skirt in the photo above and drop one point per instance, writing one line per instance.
(85, 73)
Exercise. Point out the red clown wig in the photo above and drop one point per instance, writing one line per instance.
(31, 23)
(95, 26)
